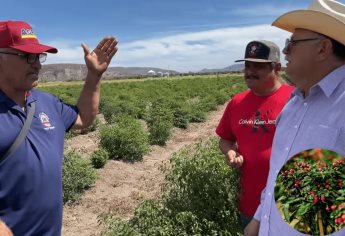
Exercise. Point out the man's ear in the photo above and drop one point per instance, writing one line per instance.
(325, 49)
(277, 67)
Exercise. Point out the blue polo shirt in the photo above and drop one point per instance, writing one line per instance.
(31, 178)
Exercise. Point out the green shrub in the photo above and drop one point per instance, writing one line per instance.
(71, 133)
(95, 124)
(142, 109)
(103, 101)
(112, 110)
(126, 139)
(197, 115)
(200, 198)
(77, 175)
(222, 97)
(151, 218)
(160, 131)
(99, 158)
(117, 227)
(67, 98)
(181, 118)
(109, 111)
(160, 123)
(200, 182)
(209, 104)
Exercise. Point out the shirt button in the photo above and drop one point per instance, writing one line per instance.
(265, 216)
(269, 194)
(305, 104)
(286, 149)
(296, 126)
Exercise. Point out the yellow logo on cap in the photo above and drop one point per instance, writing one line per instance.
(28, 34)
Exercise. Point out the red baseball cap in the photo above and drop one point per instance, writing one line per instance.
(19, 35)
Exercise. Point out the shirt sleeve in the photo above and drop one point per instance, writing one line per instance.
(258, 212)
(69, 113)
(224, 129)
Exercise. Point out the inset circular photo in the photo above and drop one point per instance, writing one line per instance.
(310, 193)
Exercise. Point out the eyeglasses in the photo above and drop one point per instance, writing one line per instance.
(30, 57)
(290, 42)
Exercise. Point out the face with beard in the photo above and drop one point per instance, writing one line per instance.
(259, 76)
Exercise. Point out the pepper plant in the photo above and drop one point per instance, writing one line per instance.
(310, 192)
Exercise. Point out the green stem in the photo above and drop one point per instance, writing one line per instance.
(319, 219)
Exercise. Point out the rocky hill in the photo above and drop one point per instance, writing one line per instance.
(70, 72)
(75, 72)
(231, 68)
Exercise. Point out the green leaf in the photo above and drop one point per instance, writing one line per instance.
(304, 208)
(286, 212)
(294, 200)
(307, 178)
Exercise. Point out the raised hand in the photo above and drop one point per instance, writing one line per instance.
(99, 59)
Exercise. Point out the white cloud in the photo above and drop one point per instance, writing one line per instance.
(183, 52)
(264, 11)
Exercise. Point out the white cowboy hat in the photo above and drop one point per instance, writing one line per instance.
(323, 16)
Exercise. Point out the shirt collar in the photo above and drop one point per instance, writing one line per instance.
(331, 81)
(328, 84)
(4, 99)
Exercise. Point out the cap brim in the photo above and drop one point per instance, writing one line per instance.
(254, 60)
(35, 48)
(314, 21)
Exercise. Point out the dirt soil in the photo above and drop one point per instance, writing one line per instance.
(121, 186)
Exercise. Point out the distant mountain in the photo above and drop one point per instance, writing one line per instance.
(69, 72)
(128, 71)
(231, 68)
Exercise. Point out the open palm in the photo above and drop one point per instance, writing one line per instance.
(99, 59)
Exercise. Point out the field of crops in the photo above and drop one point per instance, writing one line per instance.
(140, 114)
(161, 103)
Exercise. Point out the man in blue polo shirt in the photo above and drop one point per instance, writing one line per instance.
(30, 177)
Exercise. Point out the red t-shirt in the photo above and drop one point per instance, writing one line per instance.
(249, 120)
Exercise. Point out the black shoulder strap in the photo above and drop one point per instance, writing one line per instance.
(21, 136)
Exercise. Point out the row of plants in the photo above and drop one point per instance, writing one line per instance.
(199, 198)
(126, 139)
(128, 135)
(79, 173)
(161, 104)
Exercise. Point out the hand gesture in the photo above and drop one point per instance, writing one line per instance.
(99, 59)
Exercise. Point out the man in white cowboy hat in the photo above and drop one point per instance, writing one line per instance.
(314, 117)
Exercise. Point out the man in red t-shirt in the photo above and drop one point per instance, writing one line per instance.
(247, 127)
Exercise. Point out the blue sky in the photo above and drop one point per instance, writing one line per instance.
(182, 35)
